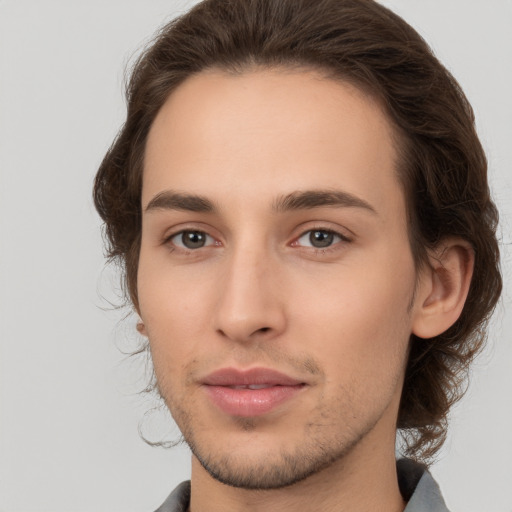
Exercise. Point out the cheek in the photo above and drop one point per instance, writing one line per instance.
(174, 312)
(168, 297)
(359, 323)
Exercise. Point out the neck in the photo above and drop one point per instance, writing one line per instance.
(356, 483)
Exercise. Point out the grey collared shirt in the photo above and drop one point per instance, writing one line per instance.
(417, 486)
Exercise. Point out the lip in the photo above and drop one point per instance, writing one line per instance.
(230, 390)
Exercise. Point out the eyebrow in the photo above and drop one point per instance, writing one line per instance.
(299, 200)
(170, 200)
(309, 199)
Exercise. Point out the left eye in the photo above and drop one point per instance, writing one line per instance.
(319, 238)
(191, 239)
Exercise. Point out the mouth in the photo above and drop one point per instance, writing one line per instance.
(251, 392)
(252, 386)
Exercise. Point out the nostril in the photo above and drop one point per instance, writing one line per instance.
(264, 329)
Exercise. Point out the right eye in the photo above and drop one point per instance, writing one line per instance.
(191, 239)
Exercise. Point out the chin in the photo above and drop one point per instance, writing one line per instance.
(265, 464)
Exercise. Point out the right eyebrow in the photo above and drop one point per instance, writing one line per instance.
(309, 199)
(170, 200)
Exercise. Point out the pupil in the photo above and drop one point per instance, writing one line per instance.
(321, 239)
(193, 239)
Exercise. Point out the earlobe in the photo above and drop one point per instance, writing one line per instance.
(141, 328)
(443, 288)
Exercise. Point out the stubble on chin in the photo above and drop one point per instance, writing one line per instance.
(324, 438)
(277, 468)
(273, 470)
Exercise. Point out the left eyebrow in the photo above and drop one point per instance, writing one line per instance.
(170, 200)
(309, 199)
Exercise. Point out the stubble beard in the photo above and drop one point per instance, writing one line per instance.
(277, 469)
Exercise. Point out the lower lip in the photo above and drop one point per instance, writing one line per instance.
(247, 403)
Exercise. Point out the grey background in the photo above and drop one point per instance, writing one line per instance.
(68, 404)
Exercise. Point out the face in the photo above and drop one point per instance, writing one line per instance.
(275, 278)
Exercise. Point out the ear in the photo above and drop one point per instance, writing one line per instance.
(141, 328)
(443, 288)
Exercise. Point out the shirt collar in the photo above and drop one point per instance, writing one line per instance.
(417, 486)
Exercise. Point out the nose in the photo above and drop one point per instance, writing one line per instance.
(249, 304)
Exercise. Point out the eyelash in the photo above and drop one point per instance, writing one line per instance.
(333, 246)
(186, 250)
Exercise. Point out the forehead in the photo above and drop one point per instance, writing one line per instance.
(271, 131)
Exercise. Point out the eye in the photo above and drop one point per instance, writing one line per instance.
(191, 239)
(320, 238)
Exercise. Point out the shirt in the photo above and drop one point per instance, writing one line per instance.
(417, 486)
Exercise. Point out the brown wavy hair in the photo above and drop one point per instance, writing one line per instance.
(442, 166)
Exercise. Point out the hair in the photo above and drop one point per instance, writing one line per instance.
(441, 166)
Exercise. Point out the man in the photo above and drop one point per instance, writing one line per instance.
(300, 202)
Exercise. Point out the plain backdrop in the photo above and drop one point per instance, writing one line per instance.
(69, 408)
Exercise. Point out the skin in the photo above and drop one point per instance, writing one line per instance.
(259, 294)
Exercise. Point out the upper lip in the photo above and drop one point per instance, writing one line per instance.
(253, 376)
